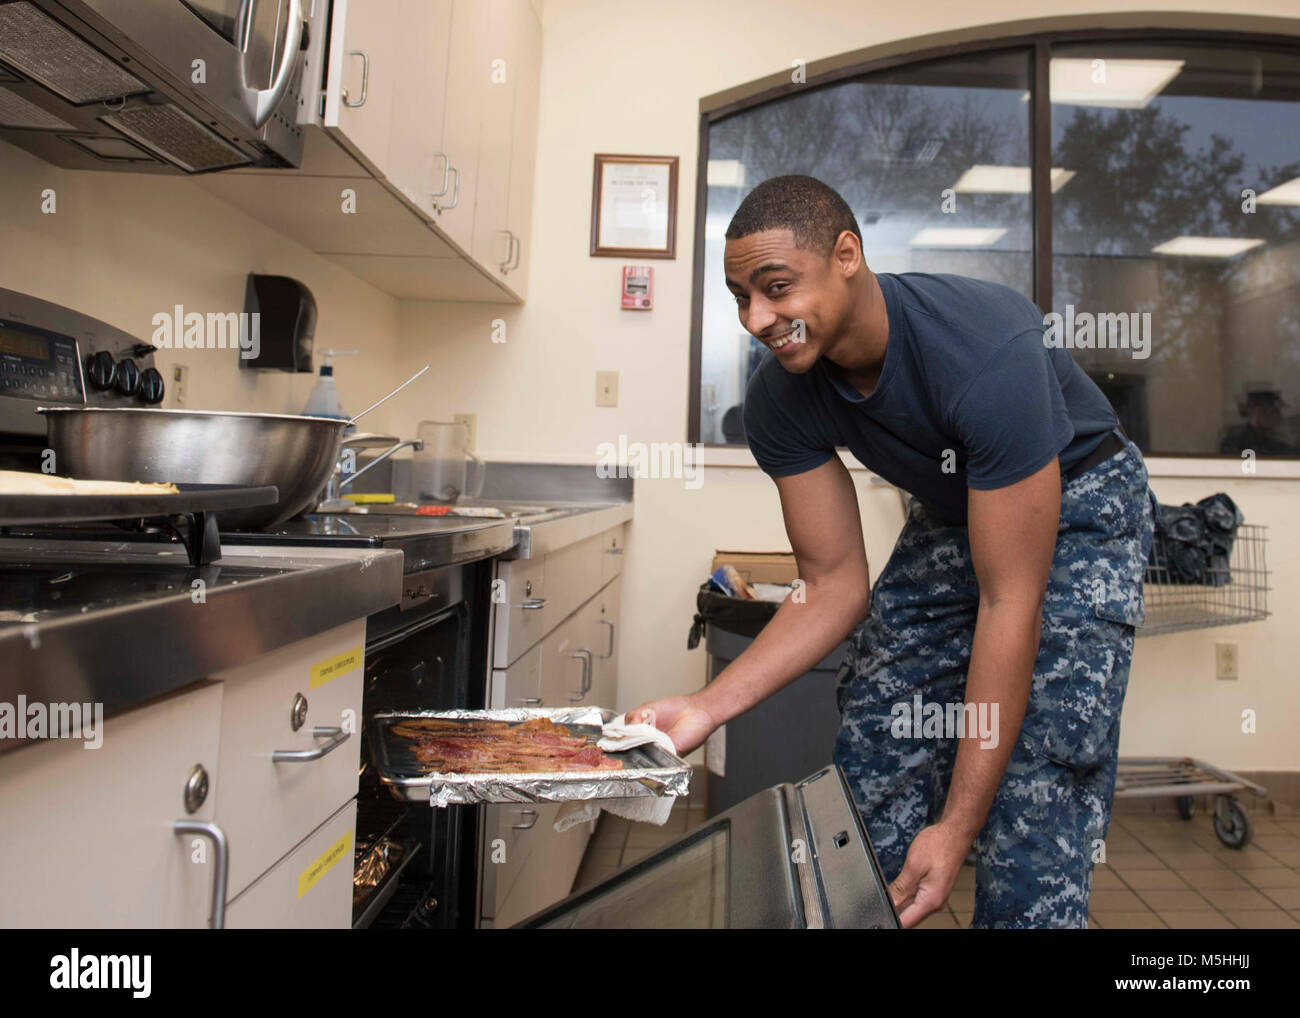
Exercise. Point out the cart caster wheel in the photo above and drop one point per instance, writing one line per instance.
(1232, 824)
(1186, 806)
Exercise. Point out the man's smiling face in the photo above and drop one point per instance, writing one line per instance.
(778, 284)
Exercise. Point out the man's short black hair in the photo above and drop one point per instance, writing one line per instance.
(814, 212)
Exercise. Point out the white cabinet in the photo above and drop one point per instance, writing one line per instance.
(437, 100)
(290, 747)
(562, 652)
(417, 164)
(86, 835)
(311, 888)
(526, 69)
(362, 80)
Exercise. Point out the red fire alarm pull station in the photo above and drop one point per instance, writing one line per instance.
(638, 287)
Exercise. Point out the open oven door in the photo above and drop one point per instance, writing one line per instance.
(794, 856)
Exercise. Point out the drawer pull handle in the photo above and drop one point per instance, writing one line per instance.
(531, 701)
(220, 864)
(534, 604)
(336, 737)
(610, 652)
(528, 826)
(584, 655)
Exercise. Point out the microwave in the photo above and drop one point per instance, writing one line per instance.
(169, 86)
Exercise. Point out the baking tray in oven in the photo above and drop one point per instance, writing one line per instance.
(647, 770)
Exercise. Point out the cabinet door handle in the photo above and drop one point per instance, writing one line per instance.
(610, 652)
(455, 192)
(519, 249)
(220, 864)
(534, 604)
(504, 266)
(583, 654)
(336, 737)
(365, 80)
(528, 826)
(446, 174)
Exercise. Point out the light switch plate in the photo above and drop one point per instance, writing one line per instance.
(1225, 655)
(606, 388)
(180, 387)
(471, 426)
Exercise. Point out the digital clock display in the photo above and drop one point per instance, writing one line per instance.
(24, 344)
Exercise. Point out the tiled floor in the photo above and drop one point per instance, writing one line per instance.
(618, 843)
(1165, 873)
(1161, 872)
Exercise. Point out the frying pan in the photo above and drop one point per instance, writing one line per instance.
(295, 453)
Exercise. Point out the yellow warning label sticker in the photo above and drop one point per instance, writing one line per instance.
(307, 878)
(325, 671)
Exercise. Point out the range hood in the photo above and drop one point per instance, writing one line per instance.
(152, 86)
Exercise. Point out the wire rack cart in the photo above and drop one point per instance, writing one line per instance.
(1232, 588)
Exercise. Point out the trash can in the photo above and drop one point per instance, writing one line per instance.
(785, 737)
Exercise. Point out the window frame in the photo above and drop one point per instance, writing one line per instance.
(1038, 46)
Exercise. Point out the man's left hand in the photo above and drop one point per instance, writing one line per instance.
(929, 872)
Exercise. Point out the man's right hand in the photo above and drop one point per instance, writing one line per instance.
(681, 717)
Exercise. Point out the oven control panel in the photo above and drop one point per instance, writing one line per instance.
(39, 365)
(56, 356)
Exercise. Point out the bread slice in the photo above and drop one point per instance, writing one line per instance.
(21, 482)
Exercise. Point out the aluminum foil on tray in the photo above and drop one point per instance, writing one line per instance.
(647, 770)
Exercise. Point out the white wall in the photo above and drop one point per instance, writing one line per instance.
(618, 78)
(124, 247)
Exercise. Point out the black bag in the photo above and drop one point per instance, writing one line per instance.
(739, 615)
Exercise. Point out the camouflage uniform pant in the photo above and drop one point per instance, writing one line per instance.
(1052, 809)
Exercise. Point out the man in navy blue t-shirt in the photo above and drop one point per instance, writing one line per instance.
(980, 696)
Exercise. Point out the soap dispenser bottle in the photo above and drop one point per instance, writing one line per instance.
(324, 398)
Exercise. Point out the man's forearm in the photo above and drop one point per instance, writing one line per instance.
(1001, 672)
(799, 635)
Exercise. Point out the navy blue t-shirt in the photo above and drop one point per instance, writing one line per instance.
(966, 370)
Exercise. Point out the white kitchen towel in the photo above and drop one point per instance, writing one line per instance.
(650, 809)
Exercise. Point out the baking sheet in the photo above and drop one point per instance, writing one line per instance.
(647, 770)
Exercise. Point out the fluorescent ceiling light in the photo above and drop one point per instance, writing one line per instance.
(957, 237)
(981, 179)
(726, 173)
(1129, 84)
(1283, 194)
(1206, 247)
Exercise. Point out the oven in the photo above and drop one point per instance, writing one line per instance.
(185, 86)
(416, 866)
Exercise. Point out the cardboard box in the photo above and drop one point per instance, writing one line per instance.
(759, 566)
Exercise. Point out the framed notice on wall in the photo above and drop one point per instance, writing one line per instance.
(634, 207)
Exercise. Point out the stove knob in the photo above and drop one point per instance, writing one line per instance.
(151, 386)
(128, 378)
(101, 370)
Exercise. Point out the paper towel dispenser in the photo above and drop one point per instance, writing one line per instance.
(286, 322)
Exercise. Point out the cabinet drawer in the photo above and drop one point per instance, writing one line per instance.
(311, 888)
(573, 576)
(568, 663)
(87, 833)
(513, 832)
(520, 684)
(264, 806)
(523, 615)
(547, 871)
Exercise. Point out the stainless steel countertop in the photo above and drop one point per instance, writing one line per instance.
(546, 532)
(540, 527)
(124, 654)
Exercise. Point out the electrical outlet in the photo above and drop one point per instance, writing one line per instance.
(471, 426)
(1225, 655)
(180, 387)
(606, 388)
